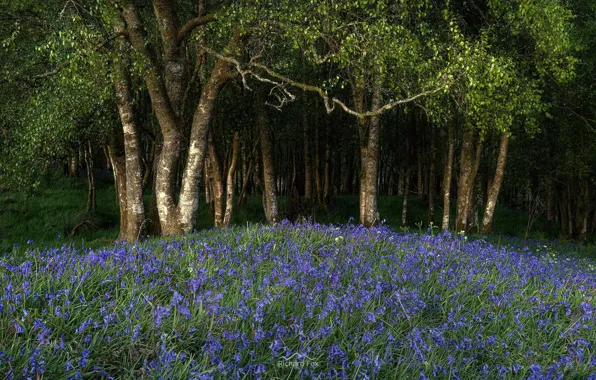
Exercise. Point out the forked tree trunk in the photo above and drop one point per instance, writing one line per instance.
(369, 130)
(448, 173)
(189, 200)
(495, 187)
(269, 190)
(166, 92)
(230, 182)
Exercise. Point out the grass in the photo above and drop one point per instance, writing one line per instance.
(298, 301)
(49, 216)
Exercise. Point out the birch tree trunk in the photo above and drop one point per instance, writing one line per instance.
(216, 180)
(230, 183)
(307, 162)
(132, 152)
(166, 92)
(431, 176)
(495, 187)
(404, 208)
(369, 130)
(447, 173)
(465, 181)
(269, 189)
(189, 195)
(91, 198)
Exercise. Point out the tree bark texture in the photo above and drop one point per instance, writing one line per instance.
(493, 192)
(369, 130)
(230, 182)
(269, 191)
(132, 150)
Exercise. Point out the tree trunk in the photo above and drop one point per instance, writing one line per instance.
(404, 208)
(583, 212)
(230, 182)
(216, 180)
(549, 202)
(132, 151)
(431, 176)
(326, 173)
(420, 176)
(493, 192)
(91, 198)
(465, 181)
(73, 166)
(207, 184)
(448, 172)
(166, 92)
(563, 210)
(307, 162)
(118, 161)
(245, 181)
(154, 227)
(269, 191)
(149, 164)
(189, 195)
(369, 130)
(317, 164)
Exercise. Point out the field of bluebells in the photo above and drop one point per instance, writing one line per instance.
(298, 301)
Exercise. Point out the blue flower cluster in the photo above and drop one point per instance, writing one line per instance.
(298, 300)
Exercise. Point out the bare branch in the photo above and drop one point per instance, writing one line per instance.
(281, 81)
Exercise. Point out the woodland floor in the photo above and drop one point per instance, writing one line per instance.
(48, 217)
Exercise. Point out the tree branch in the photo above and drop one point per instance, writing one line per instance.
(330, 102)
(191, 24)
(64, 65)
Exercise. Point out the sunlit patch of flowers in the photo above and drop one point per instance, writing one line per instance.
(306, 300)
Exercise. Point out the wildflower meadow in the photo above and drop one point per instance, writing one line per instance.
(298, 301)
